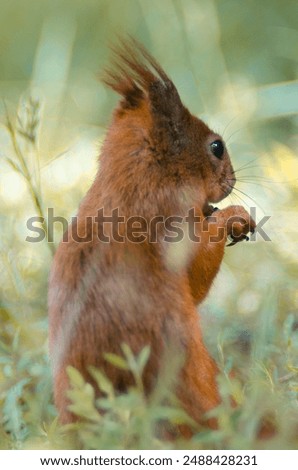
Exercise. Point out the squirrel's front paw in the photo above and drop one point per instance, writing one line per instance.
(238, 224)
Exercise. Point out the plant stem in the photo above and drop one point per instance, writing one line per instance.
(24, 170)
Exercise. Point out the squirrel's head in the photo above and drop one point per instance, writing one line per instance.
(154, 133)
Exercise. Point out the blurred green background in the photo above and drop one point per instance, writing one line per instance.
(235, 65)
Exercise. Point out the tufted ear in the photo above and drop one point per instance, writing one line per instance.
(169, 115)
(137, 76)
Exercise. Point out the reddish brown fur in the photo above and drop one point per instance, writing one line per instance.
(156, 160)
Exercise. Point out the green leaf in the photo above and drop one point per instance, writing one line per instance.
(174, 415)
(143, 358)
(292, 368)
(12, 410)
(102, 381)
(116, 361)
(82, 405)
(75, 377)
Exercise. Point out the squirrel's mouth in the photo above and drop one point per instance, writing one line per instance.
(229, 185)
(226, 188)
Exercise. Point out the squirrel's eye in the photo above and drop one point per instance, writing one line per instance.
(217, 148)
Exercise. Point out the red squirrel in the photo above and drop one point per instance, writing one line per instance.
(158, 161)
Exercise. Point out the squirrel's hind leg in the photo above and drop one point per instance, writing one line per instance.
(198, 390)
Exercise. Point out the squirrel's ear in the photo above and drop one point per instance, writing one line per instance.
(119, 80)
(169, 115)
(136, 75)
(128, 74)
